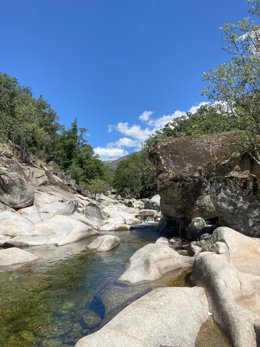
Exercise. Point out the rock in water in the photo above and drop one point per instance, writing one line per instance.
(153, 261)
(15, 255)
(58, 230)
(163, 317)
(104, 243)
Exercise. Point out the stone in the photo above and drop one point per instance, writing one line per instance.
(236, 199)
(196, 177)
(153, 203)
(104, 243)
(15, 191)
(36, 176)
(11, 256)
(12, 224)
(92, 209)
(154, 320)
(232, 281)
(58, 230)
(81, 218)
(122, 227)
(51, 200)
(153, 261)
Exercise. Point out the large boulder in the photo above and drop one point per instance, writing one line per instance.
(58, 230)
(11, 256)
(163, 317)
(104, 243)
(153, 261)
(194, 179)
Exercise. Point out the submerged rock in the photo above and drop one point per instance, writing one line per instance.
(104, 243)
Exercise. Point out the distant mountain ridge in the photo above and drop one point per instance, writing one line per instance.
(113, 164)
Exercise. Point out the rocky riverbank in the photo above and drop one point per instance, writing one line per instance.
(40, 205)
(218, 185)
(227, 290)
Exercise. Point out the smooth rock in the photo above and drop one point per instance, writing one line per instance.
(153, 261)
(156, 319)
(12, 224)
(51, 201)
(58, 230)
(15, 255)
(232, 281)
(104, 243)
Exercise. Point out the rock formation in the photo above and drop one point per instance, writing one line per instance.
(209, 176)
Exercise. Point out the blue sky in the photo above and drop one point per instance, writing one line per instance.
(121, 67)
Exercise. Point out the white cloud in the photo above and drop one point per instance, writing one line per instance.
(135, 134)
(194, 109)
(145, 116)
(134, 131)
(110, 153)
(124, 142)
(163, 120)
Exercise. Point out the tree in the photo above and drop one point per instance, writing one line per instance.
(237, 82)
(135, 176)
(208, 119)
(97, 186)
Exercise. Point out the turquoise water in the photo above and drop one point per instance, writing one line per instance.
(70, 292)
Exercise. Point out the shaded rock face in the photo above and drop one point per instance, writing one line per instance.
(15, 191)
(236, 199)
(195, 178)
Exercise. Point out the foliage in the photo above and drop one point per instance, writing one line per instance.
(98, 186)
(135, 176)
(237, 82)
(32, 125)
(27, 122)
(208, 119)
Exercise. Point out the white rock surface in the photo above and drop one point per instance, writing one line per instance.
(104, 243)
(163, 317)
(51, 200)
(232, 281)
(12, 224)
(153, 261)
(58, 230)
(15, 255)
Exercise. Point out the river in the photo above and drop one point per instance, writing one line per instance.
(70, 291)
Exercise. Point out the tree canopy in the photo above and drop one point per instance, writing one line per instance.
(32, 125)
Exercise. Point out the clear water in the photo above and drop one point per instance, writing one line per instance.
(70, 292)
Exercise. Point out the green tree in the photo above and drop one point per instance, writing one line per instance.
(135, 176)
(208, 119)
(237, 82)
(97, 186)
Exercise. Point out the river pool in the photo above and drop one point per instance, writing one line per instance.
(70, 291)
